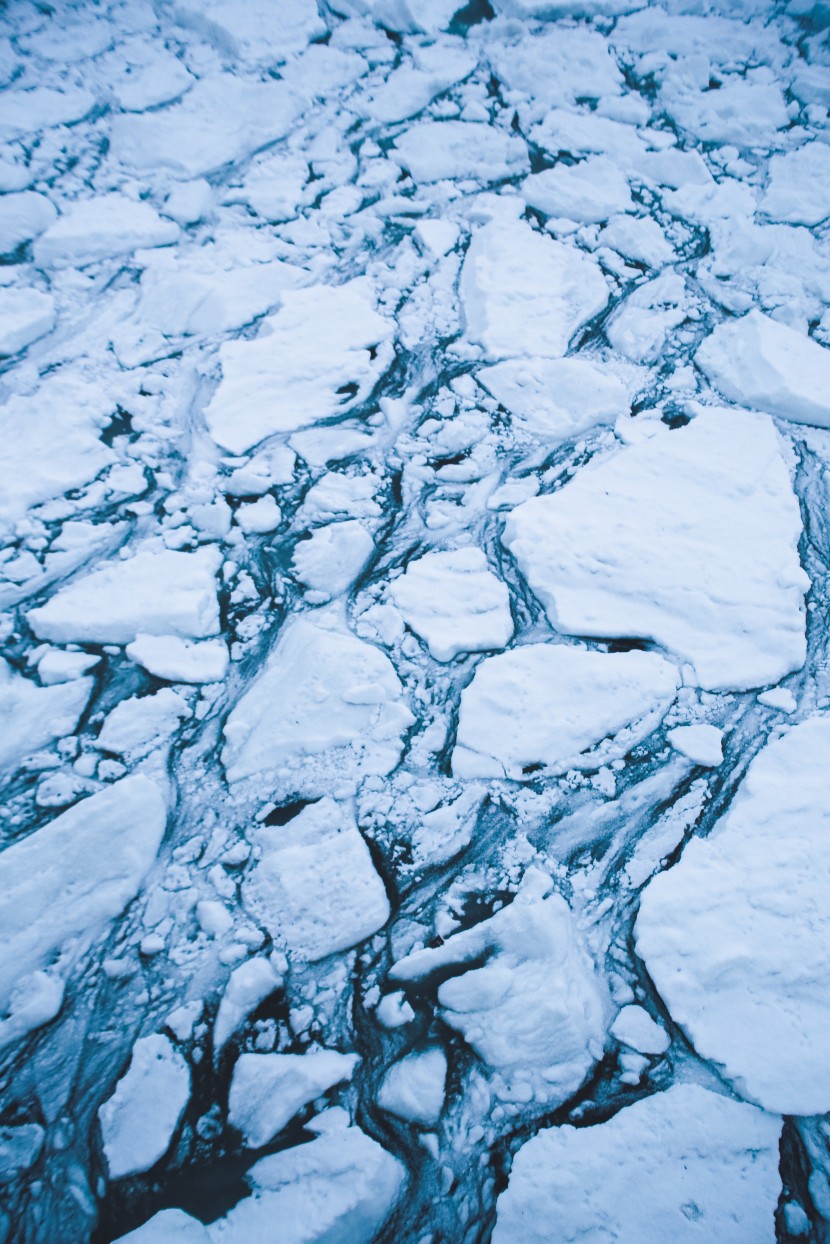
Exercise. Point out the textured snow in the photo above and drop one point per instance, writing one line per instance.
(550, 708)
(526, 294)
(139, 1120)
(267, 1090)
(718, 582)
(686, 1165)
(314, 884)
(736, 935)
(454, 603)
(325, 706)
(769, 366)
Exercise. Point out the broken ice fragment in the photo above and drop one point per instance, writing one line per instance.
(267, 1090)
(139, 1120)
(454, 602)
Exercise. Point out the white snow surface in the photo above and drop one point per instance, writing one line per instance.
(736, 935)
(552, 707)
(685, 1165)
(688, 539)
(267, 1090)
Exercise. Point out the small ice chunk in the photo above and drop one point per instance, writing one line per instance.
(685, 1165)
(717, 581)
(316, 357)
(393, 1010)
(23, 216)
(588, 192)
(556, 399)
(780, 698)
(25, 315)
(436, 236)
(341, 1186)
(440, 150)
(315, 885)
(140, 723)
(700, 742)
(639, 238)
(413, 1089)
(736, 936)
(454, 602)
(797, 190)
(548, 708)
(766, 365)
(179, 660)
(58, 666)
(189, 202)
(635, 1028)
(299, 721)
(267, 1090)
(524, 293)
(157, 592)
(249, 985)
(259, 517)
(330, 560)
(140, 1119)
(102, 228)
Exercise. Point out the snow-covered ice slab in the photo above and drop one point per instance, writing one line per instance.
(688, 539)
(685, 1165)
(454, 602)
(317, 357)
(524, 293)
(68, 880)
(267, 1090)
(34, 716)
(102, 228)
(326, 708)
(535, 1012)
(25, 315)
(555, 399)
(414, 1088)
(342, 1186)
(542, 709)
(737, 935)
(154, 592)
(223, 119)
(314, 885)
(769, 366)
(140, 1119)
(591, 191)
(797, 189)
(436, 150)
(252, 30)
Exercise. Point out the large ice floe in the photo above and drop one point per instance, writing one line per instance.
(414, 612)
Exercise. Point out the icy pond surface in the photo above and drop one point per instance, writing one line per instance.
(414, 600)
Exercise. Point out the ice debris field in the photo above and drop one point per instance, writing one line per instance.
(414, 601)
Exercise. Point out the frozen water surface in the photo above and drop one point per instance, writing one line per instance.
(414, 588)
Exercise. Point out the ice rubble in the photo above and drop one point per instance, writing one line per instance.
(454, 602)
(721, 588)
(291, 313)
(686, 1165)
(735, 936)
(326, 707)
(550, 707)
